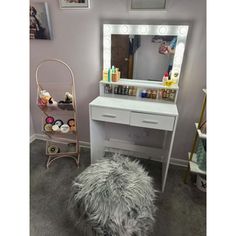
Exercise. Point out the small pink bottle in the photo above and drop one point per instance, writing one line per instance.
(165, 78)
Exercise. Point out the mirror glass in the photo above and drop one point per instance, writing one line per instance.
(144, 52)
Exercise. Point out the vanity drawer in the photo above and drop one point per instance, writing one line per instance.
(152, 121)
(110, 115)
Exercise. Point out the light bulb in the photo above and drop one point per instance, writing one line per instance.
(183, 30)
(163, 29)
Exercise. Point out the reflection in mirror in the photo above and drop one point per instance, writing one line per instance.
(130, 53)
(144, 52)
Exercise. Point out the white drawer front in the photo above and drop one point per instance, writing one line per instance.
(110, 115)
(152, 121)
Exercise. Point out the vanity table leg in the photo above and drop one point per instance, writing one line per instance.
(97, 140)
(164, 140)
(166, 160)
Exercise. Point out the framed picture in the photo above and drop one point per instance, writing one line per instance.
(40, 27)
(74, 4)
(147, 5)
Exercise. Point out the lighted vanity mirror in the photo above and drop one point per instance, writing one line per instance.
(144, 52)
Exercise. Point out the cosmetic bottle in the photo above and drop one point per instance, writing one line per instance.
(126, 90)
(109, 75)
(105, 74)
(115, 90)
(119, 91)
(130, 91)
(113, 74)
(165, 78)
(134, 91)
(106, 88)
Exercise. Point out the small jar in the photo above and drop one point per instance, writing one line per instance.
(154, 94)
(130, 91)
(149, 93)
(134, 91)
(144, 94)
(164, 94)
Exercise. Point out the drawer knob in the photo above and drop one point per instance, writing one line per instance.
(109, 115)
(150, 122)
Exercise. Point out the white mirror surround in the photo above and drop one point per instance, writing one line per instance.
(180, 31)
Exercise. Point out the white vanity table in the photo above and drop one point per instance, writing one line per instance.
(132, 125)
(127, 113)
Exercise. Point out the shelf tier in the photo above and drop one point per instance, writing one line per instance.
(200, 134)
(194, 166)
(141, 84)
(75, 154)
(112, 95)
(48, 109)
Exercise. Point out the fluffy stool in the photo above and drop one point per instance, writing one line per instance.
(113, 197)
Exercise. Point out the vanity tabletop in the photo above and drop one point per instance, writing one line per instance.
(136, 105)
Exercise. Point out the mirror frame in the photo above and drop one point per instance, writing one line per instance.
(181, 31)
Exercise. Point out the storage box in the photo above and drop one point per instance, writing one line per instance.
(201, 183)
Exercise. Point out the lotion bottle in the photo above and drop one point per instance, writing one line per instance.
(165, 78)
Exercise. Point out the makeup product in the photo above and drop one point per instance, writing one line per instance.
(109, 75)
(115, 74)
(154, 94)
(48, 127)
(53, 149)
(58, 123)
(172, 95)
(105, 74)
(127, 90)
(119, 90)
(134, 91)
(110, 89)
(71, 122)
(130, 91)
(55, 128)
(49, 119)
(106, 88)
(149, 92)
(144, 94)
(165, 78)
(65, 128)
(164, 94)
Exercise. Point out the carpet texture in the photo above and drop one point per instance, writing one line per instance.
(181, 208)
(113, 197)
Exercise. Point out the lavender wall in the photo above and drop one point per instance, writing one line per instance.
(78, 42)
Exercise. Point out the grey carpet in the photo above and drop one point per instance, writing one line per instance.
(182, 208)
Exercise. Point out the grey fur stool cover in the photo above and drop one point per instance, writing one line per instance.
(113, 197)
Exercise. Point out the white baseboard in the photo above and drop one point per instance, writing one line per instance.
(32, 138)
(173, 161)
(178, 162)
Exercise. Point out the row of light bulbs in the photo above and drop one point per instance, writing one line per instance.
(144, 29)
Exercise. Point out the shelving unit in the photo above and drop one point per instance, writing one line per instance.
(63, 142)
(132, 89)
(193, 166)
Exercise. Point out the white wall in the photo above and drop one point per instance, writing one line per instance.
(78, 42)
